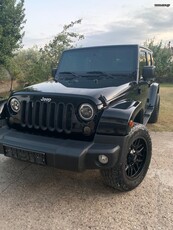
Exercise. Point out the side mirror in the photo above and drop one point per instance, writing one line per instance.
(148, 73)
(54, 70)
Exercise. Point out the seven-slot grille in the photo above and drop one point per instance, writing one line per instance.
(47, 116)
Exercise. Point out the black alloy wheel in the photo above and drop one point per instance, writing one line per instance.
(136, 158)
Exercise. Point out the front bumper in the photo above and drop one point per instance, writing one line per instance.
(66, 154)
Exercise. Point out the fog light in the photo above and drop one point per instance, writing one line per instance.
(103, 159)
(87, 131)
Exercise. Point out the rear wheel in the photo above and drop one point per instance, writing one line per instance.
(133, 162)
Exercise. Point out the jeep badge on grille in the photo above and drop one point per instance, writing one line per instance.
(46, 99)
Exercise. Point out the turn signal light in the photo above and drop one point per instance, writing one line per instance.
(131, 124)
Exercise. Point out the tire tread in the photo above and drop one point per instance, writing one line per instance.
(113, 177)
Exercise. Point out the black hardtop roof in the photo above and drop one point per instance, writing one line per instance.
(126, 45)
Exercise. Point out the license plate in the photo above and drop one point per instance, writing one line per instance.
(24, 155)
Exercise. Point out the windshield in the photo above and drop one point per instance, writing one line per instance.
(114, 63)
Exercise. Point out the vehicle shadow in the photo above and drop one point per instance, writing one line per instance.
(38, 179)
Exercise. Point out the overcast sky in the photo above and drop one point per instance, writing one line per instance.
(104, 22)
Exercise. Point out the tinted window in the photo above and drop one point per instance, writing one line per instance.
(149, 59)
(106, 59)
(142, 61)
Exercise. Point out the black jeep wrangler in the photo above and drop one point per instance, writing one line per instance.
(91, 116)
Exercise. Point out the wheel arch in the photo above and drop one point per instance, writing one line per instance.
(115, 119)
(3, 104)
(118, 177)
(139, 118)
(153, 92)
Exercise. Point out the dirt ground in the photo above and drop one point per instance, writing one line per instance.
(36, 197)
(6, 85)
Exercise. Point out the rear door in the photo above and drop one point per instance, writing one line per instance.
(145, 59)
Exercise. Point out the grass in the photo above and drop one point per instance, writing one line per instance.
(4, 95)
(165, 122)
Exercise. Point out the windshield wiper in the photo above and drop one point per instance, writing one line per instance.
(70, 73)
(99, 73)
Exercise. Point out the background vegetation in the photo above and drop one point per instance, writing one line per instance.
(33, 65)
(163, 58)
(12, 19)
(165, 122)
(29, 66)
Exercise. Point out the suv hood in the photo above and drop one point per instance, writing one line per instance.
(49, 88)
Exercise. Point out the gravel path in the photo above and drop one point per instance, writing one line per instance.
(35, 197)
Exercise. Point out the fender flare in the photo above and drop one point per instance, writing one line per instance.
(2, 107)
(115, 120)
(154, 90)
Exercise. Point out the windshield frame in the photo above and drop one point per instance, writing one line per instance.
(80, 73)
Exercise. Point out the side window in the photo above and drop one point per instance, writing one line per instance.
(152, 60)
(149, 59)
(142, 61)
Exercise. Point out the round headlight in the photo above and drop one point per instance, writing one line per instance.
(86, 112)
(15, 105)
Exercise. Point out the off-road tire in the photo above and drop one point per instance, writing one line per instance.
(118, 177)
(155, 113)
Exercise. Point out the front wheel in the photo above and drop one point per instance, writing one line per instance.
(133, 163)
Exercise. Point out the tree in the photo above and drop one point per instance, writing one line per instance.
(28, 66)
(163, 59)
(34, 65)
(64, 40)
(11, 25)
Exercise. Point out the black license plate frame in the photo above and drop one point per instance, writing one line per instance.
(25, 155)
